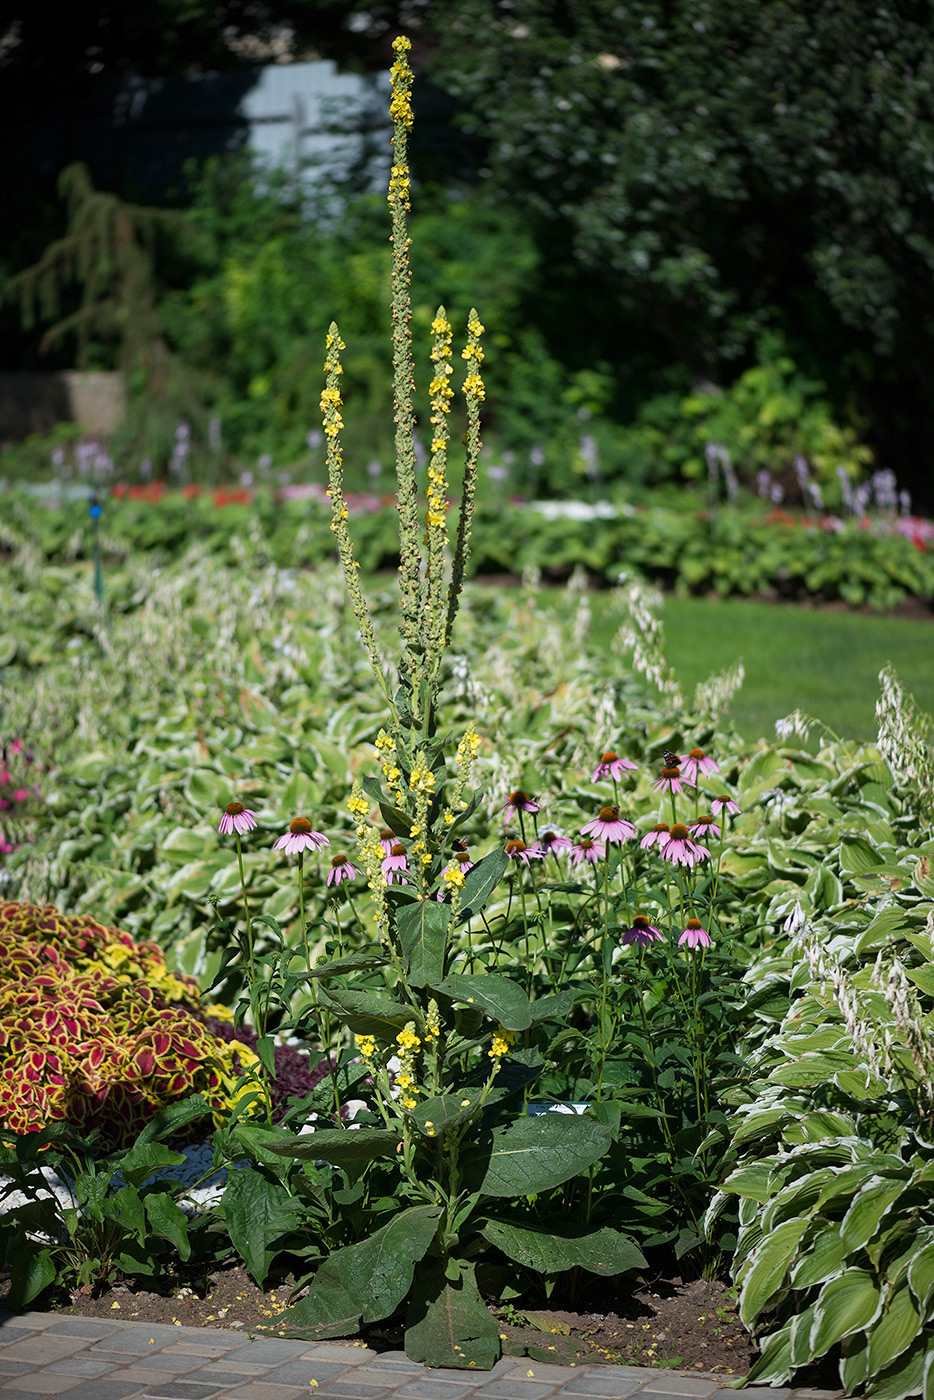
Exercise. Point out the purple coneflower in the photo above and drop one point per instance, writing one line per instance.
(671, 780)
(694, 935)
(553, 841)
(724, 804)
(341, 869)
(237, 818)
(517, 850)
(642, 932)
(300, 837)
(658, 836)
(680, 849)
(697, 762)
(395, 866)
(610, 766)
(587, 850)
(387, 839)
(608, 825)
(705, 826)
(518, 801)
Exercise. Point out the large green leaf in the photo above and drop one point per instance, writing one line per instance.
(422, 928)
(367, 1281)
(904, 1377)
(921, 1272)
(31, 1270)
(342, 1147)
(768, 1269)
(335, 967)
(774, 1365)
(895, 1331)
(848, 1304)
(534, 1154)
(167, 1221)
(753, 1181)
(505, 1000)
(825, 1259)
(481, 881)
(434, 1116)
(605, 1252)
(448, 1323)
(366, 1013)
(866, 1211)
(257, 1211)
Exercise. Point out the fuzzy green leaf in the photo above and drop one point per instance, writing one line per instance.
(605, 1252)
(366, 1013)
(257, 1212)
(422, 928)
(448, 1323)
(505, 1000)
(341, 1147)
(534, 1154)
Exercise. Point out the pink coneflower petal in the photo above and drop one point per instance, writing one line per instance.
(697, 762)
(387, 839)
(341, 869)
(694, 935)
(671, 780)
(553, 841)
(395, 866)
(518, 801)
(642, 933)
(724, 804)
(610, 766)
(704, 827)
(237, 818)
(518, 851)
(586, 851)
(658, 836)
(608, 825)
(681, 849)
(300, 837)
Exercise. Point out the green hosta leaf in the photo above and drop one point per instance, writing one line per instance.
(368, 1014)
(847, 1304)
(422, 929)
(814, 1068)
(342, 1147)
(257, 1212)
(503, 999)
(903, 1378)
(167, 1221)
(854, 1366)
(922, 977)
(366, 1281)
(205, 789)
(774, 1365)
(862, 1219)
(825, 1260)
(754, 1181)
(534, 1154)
(816, 1127)
(448, 1323)
(857, 856)
(480, 882)
(800, 1352)
(895, 1331)
(605, 1252)
(768, 1270)
(921, 1273)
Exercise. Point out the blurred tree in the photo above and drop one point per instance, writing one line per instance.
(722, 166)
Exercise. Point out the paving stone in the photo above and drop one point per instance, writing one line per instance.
(81, 1366)
(243, 1372)
(399, 1358)
(82, 1327)
(207, 1350)
(349, 1390)
(602, 1382)
(41, 1349)
(143, 1375)
(544, 1371)
(817, 1394)
(671, 1383)
(171, 1361)
(133, 1340)
(15, 1368)
(9, 1333)
(266, 1350)
(43, 1383)
(104, 1388)
(512, 1388)
(301, 1372)
(255, 1390)
(182, 1390)
(434, 1390)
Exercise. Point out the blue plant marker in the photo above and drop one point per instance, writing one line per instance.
(95, 510)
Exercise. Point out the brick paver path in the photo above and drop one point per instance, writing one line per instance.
(81, 1358)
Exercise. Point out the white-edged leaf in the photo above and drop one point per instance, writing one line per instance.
(872, 1203)
(769, 1268)
(848, 1304)
(895, 1331)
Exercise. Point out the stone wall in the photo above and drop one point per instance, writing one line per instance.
(34, 403)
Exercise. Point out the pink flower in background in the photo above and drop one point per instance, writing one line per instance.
(724, 804)
(610, 766)
(518, 851)
(387, 839)
(395, 866)
(237, 818)
(341, 869)
(697, 762)
(300, 837)
(518, 801)
(553, 841)
(694, 935)
(680, 849)
(586, 851)
(704, 827)
(671, 779)
(658, 836)
(642, 933)
(608, 825)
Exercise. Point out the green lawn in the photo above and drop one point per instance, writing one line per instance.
(825, 663)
